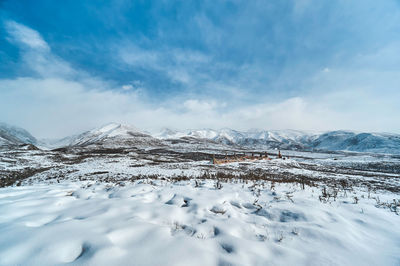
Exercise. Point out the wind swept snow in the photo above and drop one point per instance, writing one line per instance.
(186, 223)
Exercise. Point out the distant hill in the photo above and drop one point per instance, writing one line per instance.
(295, 140)
(12, 135)
(119, 135)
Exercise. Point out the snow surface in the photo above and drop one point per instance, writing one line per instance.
(126, 207)
(162, 223)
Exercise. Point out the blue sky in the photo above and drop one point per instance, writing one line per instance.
(67, 66)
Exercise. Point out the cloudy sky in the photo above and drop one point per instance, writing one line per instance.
(68, 66)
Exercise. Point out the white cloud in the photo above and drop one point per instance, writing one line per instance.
(178, 65)
(199, 106)
(58, 107)
(127, 87)
(135, 56)
(64, 101)
(36, 53)
(25, 36)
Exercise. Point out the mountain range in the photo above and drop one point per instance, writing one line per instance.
(339, 140)
(114, 134)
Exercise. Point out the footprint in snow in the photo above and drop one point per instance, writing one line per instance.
(206, 231)
(288, 216)
(227, 247)
(188, 230)
(236, 204)
(249, 206)
(179, 201)
(218, 209)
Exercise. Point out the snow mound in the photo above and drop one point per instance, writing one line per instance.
(187, 225)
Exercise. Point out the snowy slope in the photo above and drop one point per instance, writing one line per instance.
(111, 134)
(289, 139)
(236, 136)
(11, 135)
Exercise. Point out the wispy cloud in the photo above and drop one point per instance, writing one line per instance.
(25, 36)
(183, 66)
(36, 52)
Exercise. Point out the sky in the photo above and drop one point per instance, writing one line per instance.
(69, 66)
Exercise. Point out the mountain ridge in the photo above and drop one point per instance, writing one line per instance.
(115, 134)
(338, 140)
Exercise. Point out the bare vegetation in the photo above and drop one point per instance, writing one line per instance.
(9, 178)
(333, 178)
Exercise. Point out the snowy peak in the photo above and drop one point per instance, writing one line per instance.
(203, 134)
(167, 133)
(12, 135)
(114, 130)
(111, 131)
(234, 136)
(196, 133)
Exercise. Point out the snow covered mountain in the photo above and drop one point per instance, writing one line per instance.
(254, 138)
(360, 142)
(112, 134)
(11, 135)
(226, 136)
(119, 135)
(295, 140)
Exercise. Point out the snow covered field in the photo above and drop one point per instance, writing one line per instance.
(156, 222)
(169, 205)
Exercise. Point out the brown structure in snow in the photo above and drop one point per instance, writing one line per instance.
(244, 157)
